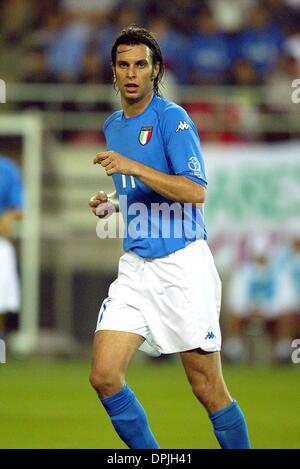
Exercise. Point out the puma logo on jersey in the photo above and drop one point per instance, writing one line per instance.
(183, 126)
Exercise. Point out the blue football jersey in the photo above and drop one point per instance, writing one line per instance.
(11, 192)
(166, 139)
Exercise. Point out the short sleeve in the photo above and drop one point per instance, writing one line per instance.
(182, 145)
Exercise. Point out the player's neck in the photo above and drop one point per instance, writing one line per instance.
(131, 108)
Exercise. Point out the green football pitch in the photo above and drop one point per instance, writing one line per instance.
(50, 404)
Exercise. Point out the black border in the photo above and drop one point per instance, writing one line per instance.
(162, 457)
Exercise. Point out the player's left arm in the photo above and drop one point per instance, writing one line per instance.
(177, 188)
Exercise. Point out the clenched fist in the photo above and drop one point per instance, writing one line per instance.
(101, 205)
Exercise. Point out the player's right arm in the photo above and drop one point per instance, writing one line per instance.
(103, 204)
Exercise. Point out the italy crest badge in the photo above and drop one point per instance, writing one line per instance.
(145, 135)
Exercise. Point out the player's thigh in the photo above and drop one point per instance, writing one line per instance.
(113, 350)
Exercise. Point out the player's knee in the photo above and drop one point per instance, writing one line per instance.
(104, 382)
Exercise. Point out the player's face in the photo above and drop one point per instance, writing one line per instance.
(134, 72)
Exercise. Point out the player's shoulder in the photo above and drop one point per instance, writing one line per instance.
(169, 110)
(172, 115)
(115, 116)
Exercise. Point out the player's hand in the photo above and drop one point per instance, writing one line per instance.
(6, 224)
(113, 163)
(101, 206)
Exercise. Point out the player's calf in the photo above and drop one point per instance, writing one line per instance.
(212, 393)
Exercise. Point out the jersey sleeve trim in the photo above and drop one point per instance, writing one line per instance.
(190, 176)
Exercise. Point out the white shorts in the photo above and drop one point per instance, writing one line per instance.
(173, 301)
(9, 284)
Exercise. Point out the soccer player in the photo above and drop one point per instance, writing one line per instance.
(167, 296)
(259, 299)
(10, 210)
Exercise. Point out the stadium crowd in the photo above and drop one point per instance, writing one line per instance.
(212, 42)
(207, 42)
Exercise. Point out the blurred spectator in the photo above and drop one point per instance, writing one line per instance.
(277, 98)
(120, 18)
(230, 14)
(92, 73)
(282, 14)
(36, 71)
(243, 73)
(209, 53)
(289, 264)
(179, 12)
(172, 44)
(16, 16)
(92, 12)
(260, 41)
(295, 6)
(93, 69)
(36, 67)
(256, 305)
(278, 85)
(244, 76)
(10, 210)
(80, 20)
(65, 54)
(292, 44)
(46, 31)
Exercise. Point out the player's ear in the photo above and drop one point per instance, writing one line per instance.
(115, 84)
(114, 74)
(155, 71)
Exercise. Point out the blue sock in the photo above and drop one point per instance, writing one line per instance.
(129, 419)
(230, 427)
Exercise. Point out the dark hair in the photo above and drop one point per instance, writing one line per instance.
(133, 35)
